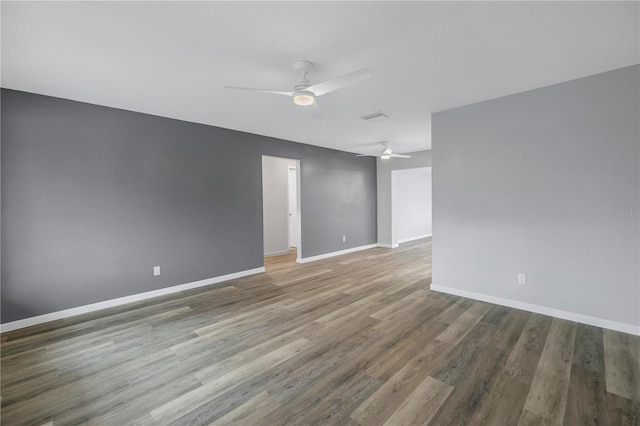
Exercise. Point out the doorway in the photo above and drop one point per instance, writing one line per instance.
(410, 204)
(281, 209)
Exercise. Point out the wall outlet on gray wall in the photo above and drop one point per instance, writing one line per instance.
(156, 271)
(522, 278)
(344, 238)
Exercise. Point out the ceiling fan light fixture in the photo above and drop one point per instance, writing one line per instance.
(303, 98)
(385, 156)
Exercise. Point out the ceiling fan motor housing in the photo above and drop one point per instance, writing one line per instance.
(303, 97)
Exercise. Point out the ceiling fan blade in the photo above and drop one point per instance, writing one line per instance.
(339, 82)
(249, 89)
(364, 155)
(399, 156)
(315, 109)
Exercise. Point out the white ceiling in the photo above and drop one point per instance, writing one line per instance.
(172, 59)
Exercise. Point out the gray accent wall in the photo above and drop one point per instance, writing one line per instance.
(94, 197)
(545, 182)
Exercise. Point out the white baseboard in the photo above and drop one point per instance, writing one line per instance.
(27, 322)
(277, 253)
(544, 310)
(335, 253)
(388, 245)
(419, 237)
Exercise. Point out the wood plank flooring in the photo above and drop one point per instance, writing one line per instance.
(353, 340)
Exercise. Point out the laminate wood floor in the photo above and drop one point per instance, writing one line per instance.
(352, 340)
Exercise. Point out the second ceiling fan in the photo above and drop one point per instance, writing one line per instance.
(304, 93)
(386, 153)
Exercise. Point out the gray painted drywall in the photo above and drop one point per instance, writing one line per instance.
(94, 197)
(275, 204)
(529, 182)
(384, 168)
(411, 203)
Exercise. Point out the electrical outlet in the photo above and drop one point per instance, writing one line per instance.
(522, 278)
(344, 238)
(156, 271)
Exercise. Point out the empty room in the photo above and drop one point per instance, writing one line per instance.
(320, 213)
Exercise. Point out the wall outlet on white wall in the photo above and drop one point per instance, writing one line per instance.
(156, 271)
(522, 278)
(344, 238)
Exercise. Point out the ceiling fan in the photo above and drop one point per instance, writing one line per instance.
(386, 153)
(304, 93)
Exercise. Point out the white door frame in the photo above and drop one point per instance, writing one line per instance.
(299, 211)
(295, 241)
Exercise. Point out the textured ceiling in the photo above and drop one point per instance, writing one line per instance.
(172, 59)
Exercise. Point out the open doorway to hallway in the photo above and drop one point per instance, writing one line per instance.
(410, 204)
(281, 209)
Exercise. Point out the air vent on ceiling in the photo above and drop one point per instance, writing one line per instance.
(374, 116)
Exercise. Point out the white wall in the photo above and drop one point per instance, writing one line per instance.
(384, 202)
(411, 204)
(544, 182)
(275, 204)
